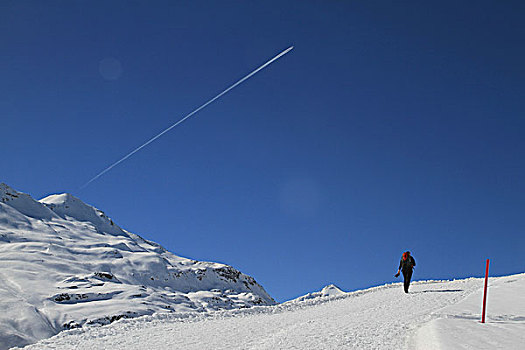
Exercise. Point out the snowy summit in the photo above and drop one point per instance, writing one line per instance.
(66, 264)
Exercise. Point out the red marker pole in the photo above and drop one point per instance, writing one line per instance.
(485, 292)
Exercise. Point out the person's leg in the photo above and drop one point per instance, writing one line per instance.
(408, 276)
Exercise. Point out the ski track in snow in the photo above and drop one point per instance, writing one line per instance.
(378, 318)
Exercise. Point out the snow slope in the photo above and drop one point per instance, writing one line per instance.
(65, 264)
(458, 324)
(435, 315)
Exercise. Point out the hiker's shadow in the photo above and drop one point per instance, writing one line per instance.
(439, 291)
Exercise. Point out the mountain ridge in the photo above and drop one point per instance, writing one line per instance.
(67, 264)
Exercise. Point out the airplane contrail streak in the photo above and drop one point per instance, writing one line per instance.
(186, 117)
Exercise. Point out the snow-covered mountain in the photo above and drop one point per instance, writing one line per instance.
(65, 264)
(330, 291)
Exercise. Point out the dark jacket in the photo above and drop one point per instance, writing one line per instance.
(408, 264)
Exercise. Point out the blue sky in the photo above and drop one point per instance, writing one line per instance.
(390, 126)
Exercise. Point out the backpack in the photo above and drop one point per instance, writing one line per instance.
(406, 264)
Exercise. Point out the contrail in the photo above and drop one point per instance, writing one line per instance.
(186, 117)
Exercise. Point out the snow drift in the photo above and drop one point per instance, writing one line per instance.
(66, 264)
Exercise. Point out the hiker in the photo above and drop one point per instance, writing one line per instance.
(406, 265)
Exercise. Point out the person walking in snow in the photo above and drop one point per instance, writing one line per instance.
(406, 265)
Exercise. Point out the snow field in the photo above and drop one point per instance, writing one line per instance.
(458, 326)
(378, 318)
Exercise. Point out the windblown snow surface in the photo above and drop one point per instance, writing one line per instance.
(434, 315)
(65, 264)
